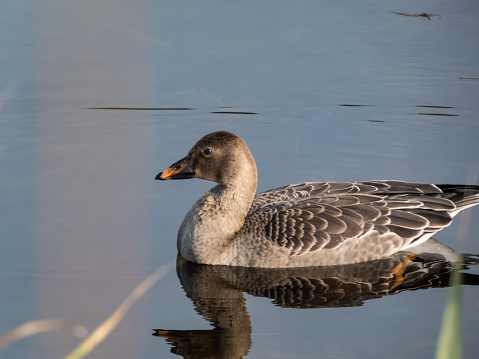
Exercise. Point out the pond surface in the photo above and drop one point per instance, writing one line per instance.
(97, 97)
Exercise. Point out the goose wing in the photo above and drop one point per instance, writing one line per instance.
(312, 216)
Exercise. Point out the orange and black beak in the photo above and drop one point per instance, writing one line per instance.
(178, 170)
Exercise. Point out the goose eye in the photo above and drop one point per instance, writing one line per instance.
(207, 151)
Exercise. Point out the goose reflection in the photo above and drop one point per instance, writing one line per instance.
(217, 293)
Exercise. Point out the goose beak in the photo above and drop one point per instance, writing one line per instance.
(178, 170)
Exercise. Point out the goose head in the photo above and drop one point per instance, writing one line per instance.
(221, 157)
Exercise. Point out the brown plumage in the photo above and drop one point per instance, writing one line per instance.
(307, 224)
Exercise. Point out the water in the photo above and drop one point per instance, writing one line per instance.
(83, 221)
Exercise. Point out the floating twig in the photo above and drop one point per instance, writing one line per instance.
(416, 15)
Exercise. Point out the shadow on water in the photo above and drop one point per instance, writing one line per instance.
(217, 294)
(435, 113)
(351, 105)
(236, 112)
(233, 112)
(143, 108)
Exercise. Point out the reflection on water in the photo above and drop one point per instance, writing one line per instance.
(217, 294)
(82, 220)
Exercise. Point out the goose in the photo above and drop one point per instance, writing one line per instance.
(306, 224)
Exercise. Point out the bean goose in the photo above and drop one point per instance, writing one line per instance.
(306, 224)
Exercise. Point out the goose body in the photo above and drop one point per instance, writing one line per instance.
(306, 224)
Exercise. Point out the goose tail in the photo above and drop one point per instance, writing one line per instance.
(463, 196)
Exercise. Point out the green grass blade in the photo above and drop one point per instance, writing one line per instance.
(449, 345)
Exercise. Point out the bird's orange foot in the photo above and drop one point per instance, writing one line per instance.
(398, 271)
